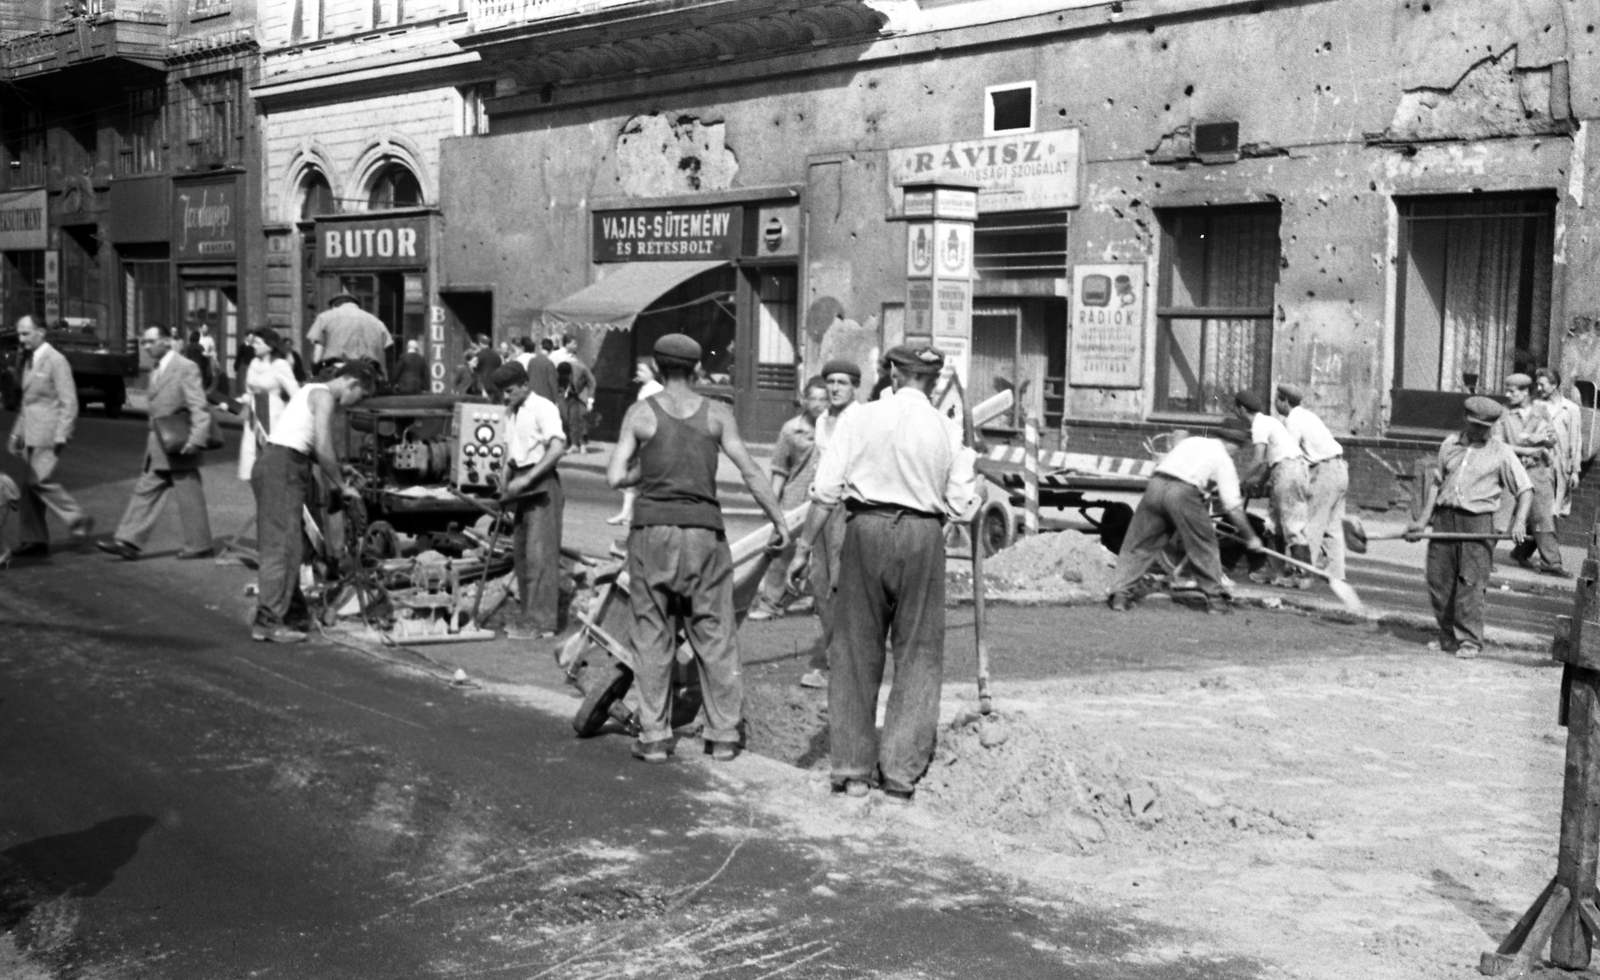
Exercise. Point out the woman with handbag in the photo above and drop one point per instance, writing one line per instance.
(269, 384)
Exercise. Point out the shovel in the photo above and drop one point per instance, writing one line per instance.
(1438, 536)
(1341, 589)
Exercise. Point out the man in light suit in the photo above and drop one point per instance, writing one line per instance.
(175, 385)
(42, 430)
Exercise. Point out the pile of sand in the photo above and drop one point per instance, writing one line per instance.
(1060, 561)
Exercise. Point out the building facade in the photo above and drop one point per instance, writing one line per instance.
(355, 96)
(126, 193)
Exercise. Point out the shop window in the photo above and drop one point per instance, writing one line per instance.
(212, 308)
(1021, 245)
(82, 299)
(1472, 301)
(146, 288)
(1008, 108)
(306, 20)
(1219, 270)
(22, 285)
(316, 196)
(474, 113)
(777, 321)
(212, 128)
(395, 187)
(22, 132)
(140, 133)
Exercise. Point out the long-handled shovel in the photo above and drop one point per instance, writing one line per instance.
(1437, 536)
(1341, 589)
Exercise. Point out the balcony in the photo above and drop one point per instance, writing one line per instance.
(129, 31)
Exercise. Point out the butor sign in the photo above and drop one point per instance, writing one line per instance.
(670, 235)
(1013, 173)
(364, 244)
(205, 220)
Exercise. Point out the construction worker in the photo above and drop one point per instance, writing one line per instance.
(794, 461)
(843, 379)
(1567, 419)
(1462, 497)
(1329, 479)
(1279, 467)
(1176, 503)
(535, 442)
(900, 470)
(1526, 428)
(679, 565)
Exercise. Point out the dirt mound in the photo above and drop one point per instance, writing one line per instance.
(1071, 557)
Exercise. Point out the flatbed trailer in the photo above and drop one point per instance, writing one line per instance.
(1067, 481)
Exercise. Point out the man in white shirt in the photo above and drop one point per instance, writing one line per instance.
(535, 442)
(843, 378)
(900, 469)
(1568, 421)
(1177, 504)
(345, 332)
(1329, 479)
(1280, 468)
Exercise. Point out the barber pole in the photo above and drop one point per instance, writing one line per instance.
(1030, 476)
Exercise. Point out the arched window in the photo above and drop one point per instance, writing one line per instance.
(316, 196)
(395, 187)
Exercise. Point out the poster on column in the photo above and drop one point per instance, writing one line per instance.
(1105, 345)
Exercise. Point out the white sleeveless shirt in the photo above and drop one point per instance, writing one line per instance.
(295, 428)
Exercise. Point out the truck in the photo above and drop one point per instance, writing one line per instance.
(101, 366)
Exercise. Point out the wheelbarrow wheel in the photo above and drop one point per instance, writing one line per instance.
(601, 692)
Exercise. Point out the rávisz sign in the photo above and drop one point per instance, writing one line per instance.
(364, 244)
(205, 220)
(1031, 172)
(673, 235)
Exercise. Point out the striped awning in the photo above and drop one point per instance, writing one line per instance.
(616, 301)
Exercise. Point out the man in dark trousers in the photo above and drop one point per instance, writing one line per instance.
(1463, 496)
(679, 565)
(843, 378)
(900, 469)
(411, 374)
(533, 493)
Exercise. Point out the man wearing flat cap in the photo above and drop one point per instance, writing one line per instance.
(1329, 479)
(1463, 495)
(900, 470)
(1527, 429)
(679, 565)
(1279, 467)
(346, 332)
(843, 378)
(535, 442)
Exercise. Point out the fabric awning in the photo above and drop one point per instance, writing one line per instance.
(615, 301)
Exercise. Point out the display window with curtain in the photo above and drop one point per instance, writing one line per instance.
(1472, 300)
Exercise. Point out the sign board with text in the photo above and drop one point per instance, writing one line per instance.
(669, 235)
(1036, 171)
(22, 224)
(381, 243)
(205, 220)
(1105, 344)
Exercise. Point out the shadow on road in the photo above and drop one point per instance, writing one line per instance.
(75, 865)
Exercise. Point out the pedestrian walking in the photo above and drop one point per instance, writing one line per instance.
(899, 468)
(346, 332)
(533, 495)
(794, 462)
(300, 442)
(40, 434)
(1329, 480)
(174, 389)
(576, 383)
(843, 379)
(1525, 426)
(1279, 469)
(1567, 419)
(1463, 495)
(679, 566)
(644, 375)
(269, 383)
(411, 372)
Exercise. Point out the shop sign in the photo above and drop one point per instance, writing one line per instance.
(952, 314)
(52, 286)
(204, 221)
(1105, 346)
(363, 244)
(22, 224)
(919, 308)
(1013, 173)
(669, 235)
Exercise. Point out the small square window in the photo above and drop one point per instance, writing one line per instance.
(1008, 108)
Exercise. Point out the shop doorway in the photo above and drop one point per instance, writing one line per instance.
(393, 297)
(773, 373)
(211, 307)
(1020, 347)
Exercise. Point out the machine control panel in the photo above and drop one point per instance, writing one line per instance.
(480, 456)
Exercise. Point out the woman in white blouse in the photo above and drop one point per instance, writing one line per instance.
(269, 384)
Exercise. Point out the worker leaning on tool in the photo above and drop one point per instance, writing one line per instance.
(1279, 467)
(300, 438)
(1329, 479)
(535, 442)
(843, 378)
(1462, 497)
(1176, 503)
(1527, 429)
(899, 468)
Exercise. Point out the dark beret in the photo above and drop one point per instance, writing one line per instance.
(841, 366)
(508, 375)
(1483, 411)
(1234, 430)
(1518, 380)
(1248, 399)
(916, 358)
(678, 345)
(1292, 393)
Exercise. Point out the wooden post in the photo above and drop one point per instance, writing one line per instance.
(1030, 476)
(985, 703)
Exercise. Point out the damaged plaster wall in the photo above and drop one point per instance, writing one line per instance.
(659, 156)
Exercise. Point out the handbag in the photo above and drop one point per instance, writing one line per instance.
(172, 431)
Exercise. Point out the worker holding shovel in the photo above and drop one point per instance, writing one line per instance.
(1462, 497)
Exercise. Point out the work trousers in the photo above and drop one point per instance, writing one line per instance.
(775, 583)
(41, 491)
(575, 420)
(1541, 518)
(684, 574)
(1330, 480)
(1290, 486)
(891, 585)
(824, 573)
(281, 479)
(536, 556)
(1458, 574)
(1170, 508)
(144, 506)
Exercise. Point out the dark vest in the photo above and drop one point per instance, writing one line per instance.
(678, 472)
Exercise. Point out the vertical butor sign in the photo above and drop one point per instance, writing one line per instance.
(939, 216)
(437, 369)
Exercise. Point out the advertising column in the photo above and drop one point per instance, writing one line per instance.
(939, 221)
